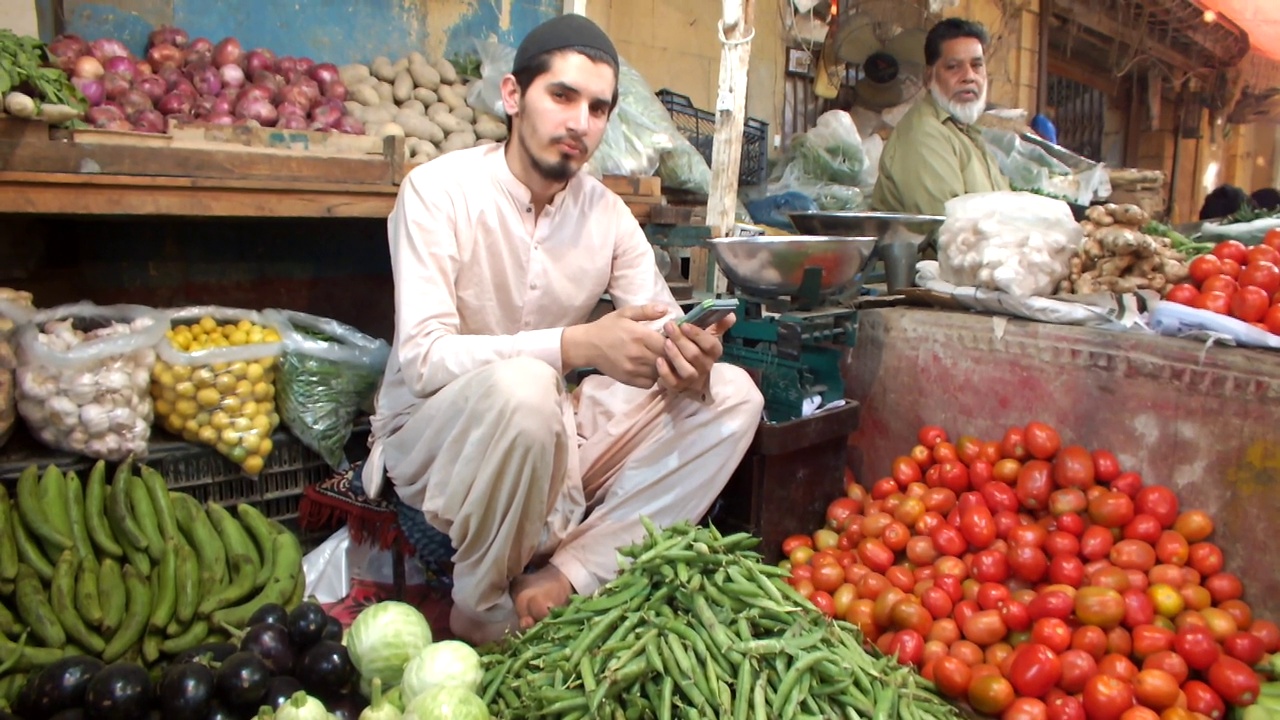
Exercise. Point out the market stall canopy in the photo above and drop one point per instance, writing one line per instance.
(1260, 19)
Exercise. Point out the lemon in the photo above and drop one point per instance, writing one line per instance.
(228, 329)
(242, 424)
(275, 420)
(252, 464)
(253, 372)
(220, 420)
(238, 455)
(185, 408)
(245, 325)
(237, 369)
(203, 377)
(255, 336)
(163, 406)
(221, 367)
(262, 391)
(270, 335)
(190, 436)
(231, 404)
(159, 367)
(222, 448)
(249, 408)
(173, 423)
(251, 441)
(186, 389)
(266, 407)
(244, 389)
(267, 363)
(207, 435)
(262, 425)
(164, 377)
(181, 373)
(229, 438)
(225, 383)
(190, 427)
(264, 446)
(238, 337)
(208, 324)
(164, 392)
(208, 397)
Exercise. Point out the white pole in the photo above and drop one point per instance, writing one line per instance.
(575, 7)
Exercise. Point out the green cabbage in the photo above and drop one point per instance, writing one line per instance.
(448, 702)
(446, 663)
(384, 638)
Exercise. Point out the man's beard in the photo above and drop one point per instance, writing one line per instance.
(554, 171)
(964, 113)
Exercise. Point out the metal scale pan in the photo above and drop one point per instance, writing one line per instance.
(900, 237)
(808, 269)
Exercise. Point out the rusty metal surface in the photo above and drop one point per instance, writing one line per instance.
(1204, 422)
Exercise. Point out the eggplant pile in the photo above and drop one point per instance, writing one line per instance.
(128, 571)
(280, 654)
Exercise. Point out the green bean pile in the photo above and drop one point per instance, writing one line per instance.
(696, 626)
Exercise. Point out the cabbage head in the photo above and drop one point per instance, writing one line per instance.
(450, 662)
(448, 702)
(384, 638)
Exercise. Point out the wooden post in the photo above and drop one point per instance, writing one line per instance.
(726, 155)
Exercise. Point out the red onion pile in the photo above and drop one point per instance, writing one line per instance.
(195, 80)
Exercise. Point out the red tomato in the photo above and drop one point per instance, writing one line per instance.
(1245, 647)
(1272, 238)
(1032, 534)
(1138, 608)
(1172, 548)
(1251, 303)
(1142, 527)
(1073, 468)
(795, 541)
(1156, 689)
(1016, 616)
(968, 449)
(1035, 670)
(1065, 707)
(875, 554)
(1106, 467)
(905, 471)
(1091, 640)
(1000, 497)
(949, 540)
(1225, 284)
(1231, 269)
(945, 452)
(1013, 445)
(952, 676)
(1052, 632)
(1214, 301)
(824, 602)
(1170, 662)
(1070, 523)
(1183, 293)
(828, 577)
(1197, 646)
(990, 566)
(931, 435)
(953, 474)
(1203, 268)
(1117, 666)
(1006, 470)
(1234, 681)
(1151, 639)
(1051, 604)
(950, 584)
(920, 550)
(1099, 606)
(990, 694)
(901, 577)
(1028, 563)
(922, 456)
(980, 474)
(1224, 586)
(1026, 708)
(1269, 632)
(1042, 440)
(1133, 554)
(1111, 509)
(991, 594)
(908, 645)
(1035, 484)
(1128, 483)
(938, 500)
(1232, 250)
(1077, 667)
(1272, 319)
(1195, 525)
(984, 628)
(937, 602)
(1062, 543)
(1066, 570)
(1106, 698)
(978, 527)
(1067, 500)
(1096, 542)
(1204, 700)
(1263, 275)
(883, 488)
(840, 511)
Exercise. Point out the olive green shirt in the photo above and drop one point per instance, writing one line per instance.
(929, 159)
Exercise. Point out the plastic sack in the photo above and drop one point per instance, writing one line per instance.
(827, 163)
(328, 371)
(496, 60)
(1017, 242)
(328, 576)
(15, 309)
(1176, 320)
(84, 373)
(1249, 233)
(214, 382)
(1026, 165)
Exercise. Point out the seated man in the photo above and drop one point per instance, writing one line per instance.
(499, 254)
(935, 153)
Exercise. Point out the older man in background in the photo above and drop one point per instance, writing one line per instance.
(936, 153)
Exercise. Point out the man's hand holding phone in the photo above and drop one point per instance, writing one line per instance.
(693, 345)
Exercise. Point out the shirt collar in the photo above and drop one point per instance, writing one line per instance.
(519, 192)
(937, 111)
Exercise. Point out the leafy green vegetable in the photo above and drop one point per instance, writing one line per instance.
(1044, 193)
(24, 67)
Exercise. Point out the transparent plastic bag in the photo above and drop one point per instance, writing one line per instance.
(84, 373)
(496, 60)
(15, 309)
(832, 151)
(328, 372)
(214, 382)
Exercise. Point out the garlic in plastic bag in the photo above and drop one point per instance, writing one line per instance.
(83, 378)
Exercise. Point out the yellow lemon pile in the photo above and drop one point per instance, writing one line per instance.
(228, 405)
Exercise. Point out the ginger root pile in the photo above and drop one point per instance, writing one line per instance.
(1118, 257)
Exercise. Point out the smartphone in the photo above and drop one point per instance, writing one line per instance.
(709, 312)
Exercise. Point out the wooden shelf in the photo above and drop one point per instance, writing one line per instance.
(133, 195)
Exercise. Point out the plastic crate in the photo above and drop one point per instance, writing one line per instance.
(699, 127)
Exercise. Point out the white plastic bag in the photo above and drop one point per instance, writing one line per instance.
(328, 372)
(84, 376)
(327, 570)
(496, 60)
(1017, 242)
(222, 393)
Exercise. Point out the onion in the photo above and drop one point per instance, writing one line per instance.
(330, 102)
(106, 48)
(305, 64)
(92, 90)
(176, 103)
(292, 122)
(290, 108)
(134, 102)
(261, 111)
(230, 95)
(203, 106)
(231, 75)
(142, 68)
(336, 90)
(88, 68)
(222, 105)
(153, 86)
(66, 49)
(171, 77)
(149, 121)
(207, 81)
(181, 119)
(325, 117)
(259, 60)
(297, 95)
(184, 87)
(286, 65)
(118, 124)
(256, 92)
(220, 118)
(228, 51)
(164, 55)
(168, 35)
(349, 125)
(324, 73)
(200, 50)
(121, 66)
(114, 86)
(97, 115)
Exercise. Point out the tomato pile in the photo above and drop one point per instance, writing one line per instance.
(1037, 581)
(1235, 280)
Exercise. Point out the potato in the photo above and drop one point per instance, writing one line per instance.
(424, 76)
(353, 108)
(353, 73)
(375, 116)
(386, 92)
(402, 88)
(419, 127)
(423, 150)
(447, 73)
(448, 122)
(465, 114)
(364, 95)
(401, 64)
(425, 96)
(458, 141)
(382, 69)
(389, 129)
(438, 108)
(490, 128)
(451, 97)
(415, 106)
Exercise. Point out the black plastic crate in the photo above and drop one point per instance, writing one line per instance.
(699, 127)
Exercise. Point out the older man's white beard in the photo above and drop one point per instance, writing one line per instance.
(964, 113)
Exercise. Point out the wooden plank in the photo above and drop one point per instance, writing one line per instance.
(73, 194)
(275, 138)
(626, 185)
(731, 111)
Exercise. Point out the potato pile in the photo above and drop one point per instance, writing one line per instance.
(424, 102)
(1118, 257)
(217, 390)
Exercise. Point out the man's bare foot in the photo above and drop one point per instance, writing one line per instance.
(538, 593)
(479, 632)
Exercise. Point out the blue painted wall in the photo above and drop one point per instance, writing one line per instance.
(339, 31)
